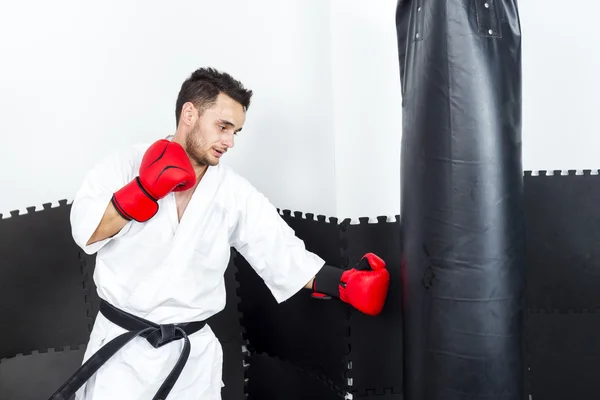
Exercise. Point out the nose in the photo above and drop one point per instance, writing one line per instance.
(228, 140)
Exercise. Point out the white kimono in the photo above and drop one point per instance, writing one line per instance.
(167, 271)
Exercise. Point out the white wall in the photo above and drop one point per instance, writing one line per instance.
(561, 102)
(80, 79)
(287, 147)
(367, 108)
(77, 80)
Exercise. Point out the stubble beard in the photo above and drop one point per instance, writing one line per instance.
(194, 146)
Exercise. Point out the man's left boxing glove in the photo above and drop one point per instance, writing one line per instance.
(364, 287)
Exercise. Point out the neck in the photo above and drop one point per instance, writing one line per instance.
(200, 171)
(177, 138)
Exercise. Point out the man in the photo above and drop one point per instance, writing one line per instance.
(162, 219)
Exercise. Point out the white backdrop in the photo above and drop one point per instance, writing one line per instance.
(80, 79)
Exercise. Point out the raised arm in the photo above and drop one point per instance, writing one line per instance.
(111, 223)
(122, 192)
(94, 220)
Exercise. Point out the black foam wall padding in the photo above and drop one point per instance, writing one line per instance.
(42, 293)
(88, 265)
(563, 237)
(273, 378)
(235, 369)
(37, 375)
(376, 342)
(371, 395)
(321, 235)
(461, 199)
(307, 332)
(564, 355)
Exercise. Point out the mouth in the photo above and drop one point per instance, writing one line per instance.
(218, 152)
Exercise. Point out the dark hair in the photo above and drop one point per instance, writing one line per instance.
(203, 87)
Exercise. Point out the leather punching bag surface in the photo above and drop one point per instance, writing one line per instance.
(461, 203)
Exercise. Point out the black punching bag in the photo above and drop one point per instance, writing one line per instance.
(461, 202)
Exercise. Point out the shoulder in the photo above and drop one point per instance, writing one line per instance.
(119, 164)
(132, 153)
(126, 153)
(238, 189)
(233, 180)
(125, 156)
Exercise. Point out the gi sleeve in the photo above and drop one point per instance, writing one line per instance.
(94, 195)
(271, 247)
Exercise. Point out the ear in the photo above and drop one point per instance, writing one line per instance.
(189, 113)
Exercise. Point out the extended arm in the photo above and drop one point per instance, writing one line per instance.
(281, 259)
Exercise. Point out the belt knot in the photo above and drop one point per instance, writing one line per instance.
(164, 334)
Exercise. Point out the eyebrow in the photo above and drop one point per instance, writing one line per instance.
(229, 123)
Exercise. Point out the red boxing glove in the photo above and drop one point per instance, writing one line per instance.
(165, 168)
(364, 287)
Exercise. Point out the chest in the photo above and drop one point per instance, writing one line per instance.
(182, 233)
(182, 200)
(192, 231)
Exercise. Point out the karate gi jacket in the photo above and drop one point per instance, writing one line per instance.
(170, 271)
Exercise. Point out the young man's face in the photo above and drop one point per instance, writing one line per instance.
(213, 132)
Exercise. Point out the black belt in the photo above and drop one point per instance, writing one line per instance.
(157, 335)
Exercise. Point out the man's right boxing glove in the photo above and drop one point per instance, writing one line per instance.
(165, 168)
(364, 287)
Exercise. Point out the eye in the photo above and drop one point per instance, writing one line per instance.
(223, 128)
